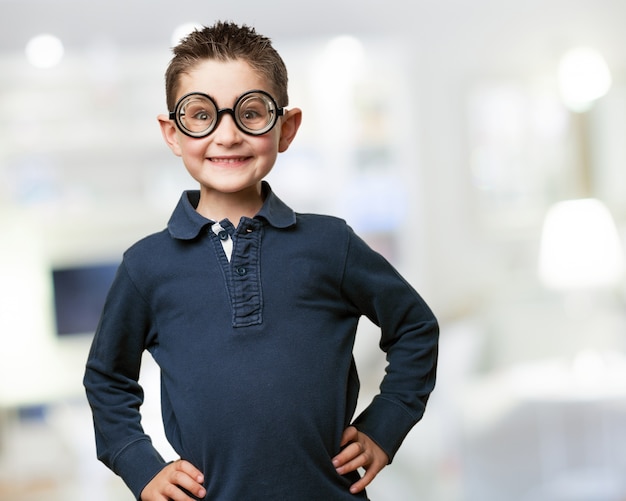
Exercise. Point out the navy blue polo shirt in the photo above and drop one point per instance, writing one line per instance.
(258, 379)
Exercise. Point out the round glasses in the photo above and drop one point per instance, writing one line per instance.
(254, 113)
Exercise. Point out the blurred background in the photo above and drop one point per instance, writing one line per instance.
(480, 146)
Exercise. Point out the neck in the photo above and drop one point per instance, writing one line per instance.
(217, 206)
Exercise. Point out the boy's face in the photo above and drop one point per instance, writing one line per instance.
(228, 160)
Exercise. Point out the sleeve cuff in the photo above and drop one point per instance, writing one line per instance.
(386, 423)
(137, 464)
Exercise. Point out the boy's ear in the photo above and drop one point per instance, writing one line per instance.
(290, 124)
(169, 132)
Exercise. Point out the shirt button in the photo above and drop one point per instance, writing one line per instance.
(241, 271)
(223, 235)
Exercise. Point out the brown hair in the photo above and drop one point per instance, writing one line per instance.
(227, 41)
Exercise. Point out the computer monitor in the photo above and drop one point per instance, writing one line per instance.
(79, 295)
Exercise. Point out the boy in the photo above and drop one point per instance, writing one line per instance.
(250, 310)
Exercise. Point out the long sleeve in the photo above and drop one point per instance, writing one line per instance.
(113, 391)
(409, 337)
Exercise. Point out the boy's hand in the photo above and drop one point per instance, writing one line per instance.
(360, 452)
(165, 485)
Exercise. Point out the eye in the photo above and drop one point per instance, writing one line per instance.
(198, 109)
(254, 111)
(201, 115)
(250, 114)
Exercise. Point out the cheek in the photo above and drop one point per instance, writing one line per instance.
(269, 149)
(269, 153)
(193, 149)
(269, 146)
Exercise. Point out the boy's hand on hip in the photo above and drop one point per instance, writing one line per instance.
(165, 486)
(360, 452)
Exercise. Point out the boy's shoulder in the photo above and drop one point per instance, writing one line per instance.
(312, 220)
(327, 234)
(152, 244)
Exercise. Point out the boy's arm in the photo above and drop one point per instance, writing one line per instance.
(409, 337)
(113, 391)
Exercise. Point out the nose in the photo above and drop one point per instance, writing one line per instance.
(226, 130)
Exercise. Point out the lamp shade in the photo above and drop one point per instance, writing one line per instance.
(580, 246)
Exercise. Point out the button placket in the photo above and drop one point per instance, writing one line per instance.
(246, 281)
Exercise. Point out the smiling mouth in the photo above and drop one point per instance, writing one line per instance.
(229, 160)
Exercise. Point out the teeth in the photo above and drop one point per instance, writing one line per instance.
(228, 160)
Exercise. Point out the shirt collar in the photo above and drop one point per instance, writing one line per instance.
(186, 223)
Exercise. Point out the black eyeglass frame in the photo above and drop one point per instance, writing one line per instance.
(276, 113)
